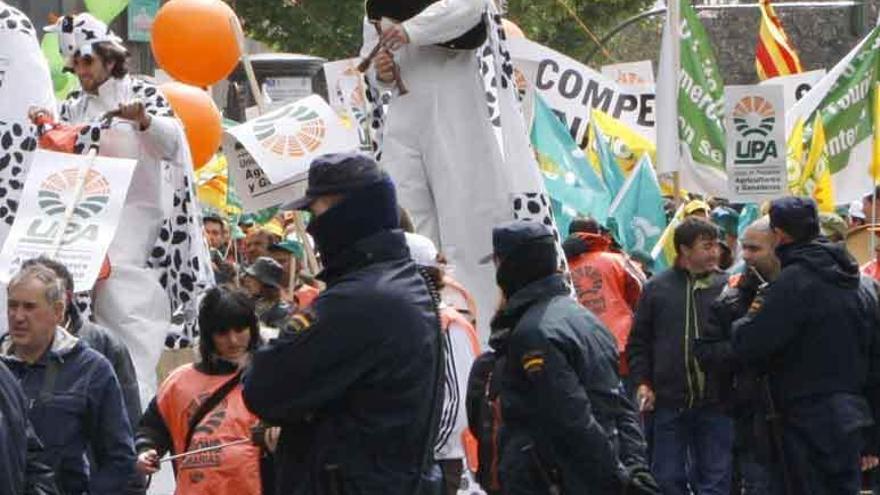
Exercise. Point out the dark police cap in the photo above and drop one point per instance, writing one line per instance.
(794, 214)
(338, 173)
(267, 271)
(508, 236)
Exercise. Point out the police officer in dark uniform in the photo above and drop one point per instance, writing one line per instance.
(353, 382)
(567, 425)
(816, 329)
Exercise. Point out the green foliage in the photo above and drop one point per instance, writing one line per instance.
(332, 28)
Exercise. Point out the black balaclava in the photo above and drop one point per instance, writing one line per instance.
(363, 212)
(527, 263)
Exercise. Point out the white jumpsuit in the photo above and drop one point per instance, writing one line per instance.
(441, 149)
(132, 302)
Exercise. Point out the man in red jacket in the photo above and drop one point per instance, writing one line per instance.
(605, 282)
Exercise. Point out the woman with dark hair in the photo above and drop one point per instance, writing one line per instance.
(200, 405)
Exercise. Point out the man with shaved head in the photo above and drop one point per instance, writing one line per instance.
(714, 352)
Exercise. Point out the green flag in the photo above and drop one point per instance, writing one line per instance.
(844, 99)
(574, 187)
(611, 171)
(697, 149)
(637, 217)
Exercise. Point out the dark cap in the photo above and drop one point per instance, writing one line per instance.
(338, 173)
(267, 271)
(508, 236)
(796, 216)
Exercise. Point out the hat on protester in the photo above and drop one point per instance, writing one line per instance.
(696, 205)
(338, 173)
(509, 236)
(832, 225)
(293, 247)
(795, 214)
(422, 250)
(856, 210)
(267, 271)
(78, 34)
(726, 218)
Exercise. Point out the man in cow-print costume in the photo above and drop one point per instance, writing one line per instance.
(456, 144)
(158, 259)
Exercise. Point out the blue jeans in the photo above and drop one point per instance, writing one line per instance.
(698, 442)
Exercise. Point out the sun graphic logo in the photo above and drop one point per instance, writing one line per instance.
(58, 190)
(292, 133)
(754, 115)
(754, 118)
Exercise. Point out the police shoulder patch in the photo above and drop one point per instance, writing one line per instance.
(533, 362)
(301, 321)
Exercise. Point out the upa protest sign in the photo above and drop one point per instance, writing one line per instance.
(269, 156)
(573, 89)
(95, 189)
(755, 123)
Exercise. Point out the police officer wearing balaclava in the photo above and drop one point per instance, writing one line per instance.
(567, 425)
(353, 381)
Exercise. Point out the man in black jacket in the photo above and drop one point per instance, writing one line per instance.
(692, 433)
(817, 328)
(21, 473)
(353, 381)
(567, 425)
(715, 354)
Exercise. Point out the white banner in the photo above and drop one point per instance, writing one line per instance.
(269, 156)
(285, 141)
(52, 184)
(254, 189)
(573, 89)
(796, 86)
(755, 125)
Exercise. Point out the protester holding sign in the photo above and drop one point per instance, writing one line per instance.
(158, 259)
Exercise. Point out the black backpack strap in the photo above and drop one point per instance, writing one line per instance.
(207, 406)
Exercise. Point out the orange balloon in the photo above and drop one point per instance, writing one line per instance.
(511, 30)
(195, 42)
(201, 119)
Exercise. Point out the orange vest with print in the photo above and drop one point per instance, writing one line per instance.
(234, 470)
(605, 287)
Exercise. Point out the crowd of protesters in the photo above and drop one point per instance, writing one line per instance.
(758, 379)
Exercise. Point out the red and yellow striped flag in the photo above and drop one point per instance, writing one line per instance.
(774, 55)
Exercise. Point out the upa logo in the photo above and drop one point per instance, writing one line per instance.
(291, 133)
(754, 119)
(55, 193)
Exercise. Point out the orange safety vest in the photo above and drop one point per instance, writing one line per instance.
(605, 287)
(448, 316)
(233, 470)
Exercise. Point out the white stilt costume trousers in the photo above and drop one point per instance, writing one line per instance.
(442, 152)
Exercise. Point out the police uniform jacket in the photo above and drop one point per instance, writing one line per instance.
(565, 419)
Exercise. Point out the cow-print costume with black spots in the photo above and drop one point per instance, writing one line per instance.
(175, 254)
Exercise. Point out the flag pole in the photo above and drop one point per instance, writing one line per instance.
(261, 105)
(674, 13)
